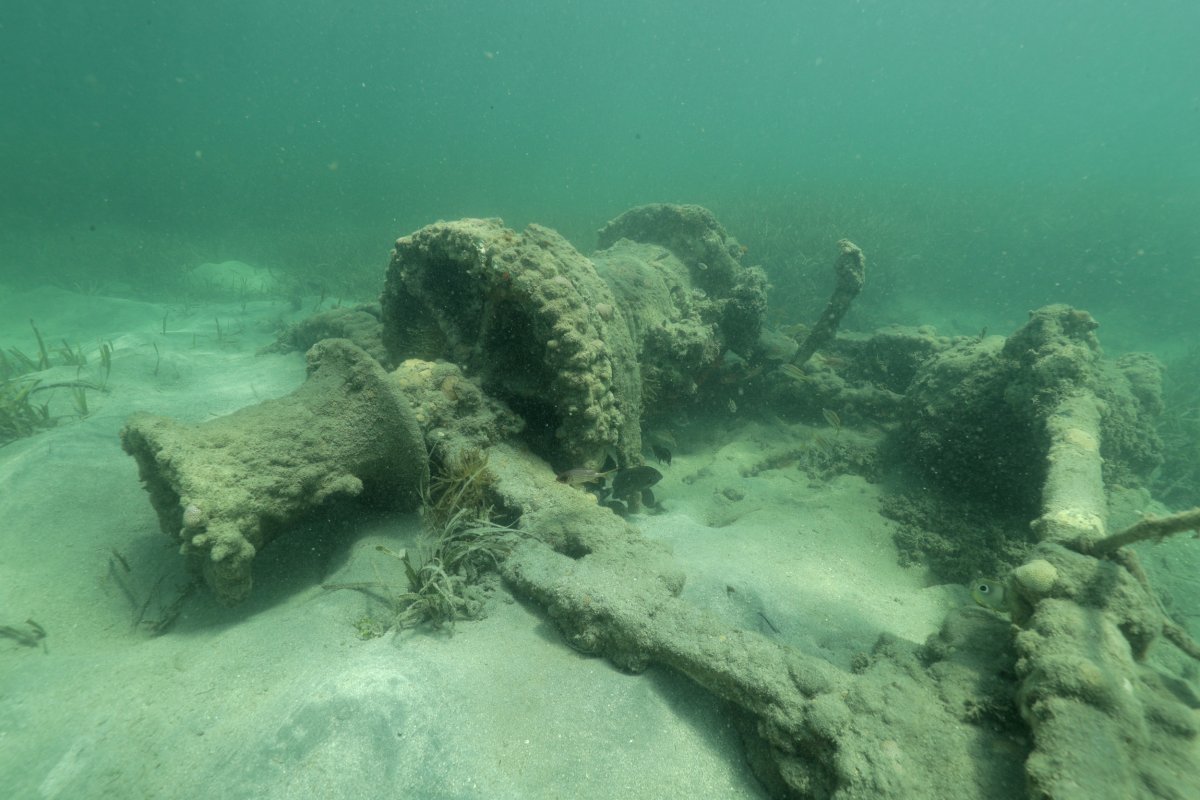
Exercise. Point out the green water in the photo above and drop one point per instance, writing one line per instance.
(989, 156)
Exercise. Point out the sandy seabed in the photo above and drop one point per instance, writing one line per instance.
(280, 698)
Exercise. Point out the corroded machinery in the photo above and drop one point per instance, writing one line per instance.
(227, 487)
(572, 343)
(489, 332)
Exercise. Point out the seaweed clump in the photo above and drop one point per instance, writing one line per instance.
(460, 545)
(20, 415)
(458, 487)
(1177, 481)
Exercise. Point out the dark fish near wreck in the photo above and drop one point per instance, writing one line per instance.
(661, 453)
(632, 480)
(616, 506)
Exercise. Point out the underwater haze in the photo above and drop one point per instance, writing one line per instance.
(319, 481)
(988, 156)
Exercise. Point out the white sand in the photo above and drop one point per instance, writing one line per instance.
(279, 698)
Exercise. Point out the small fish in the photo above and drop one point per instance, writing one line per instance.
(794, 372)
(833, 419)
(616, 506)
(990, 593)
(632, 480)
(831, 362)
(661, 453)
(580, 477)
(795, 330)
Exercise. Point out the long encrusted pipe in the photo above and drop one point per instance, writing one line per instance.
(1101, 728)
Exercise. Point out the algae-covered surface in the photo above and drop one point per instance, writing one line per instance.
(124, 675)
(865, 563)
(143, 684)
(782, 606)
(280, 697)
